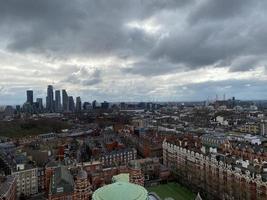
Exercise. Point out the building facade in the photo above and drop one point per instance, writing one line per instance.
(65, 101)
(57, 101)
(50, 99)
(118, 157)
(8, 188)
(210, 176)
(27, 181)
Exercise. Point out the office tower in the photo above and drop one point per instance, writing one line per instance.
(30, 97)
(57, 101)
(18, 109)
(78, 104)
(86, 106)
(71, 104)
(65, 101)
(105, 105)
(94, 104)
(123, 106)
(39, 102)
(50, 99)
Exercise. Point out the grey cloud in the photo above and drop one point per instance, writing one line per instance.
(217, 43)
(55, 28)
(152, 68)
(245, 63)
(195, 47)
(84, 76)
(78, 27)
(192, 35)
(211, 10)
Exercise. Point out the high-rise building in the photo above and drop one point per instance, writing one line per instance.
(94, 104)
(78, 104)
(30, 97)
(86, 106)
(105, 105)
(50, 99)
(65, 101)
(18, 109)
(57, 101)
(71, 104)
(39, 102)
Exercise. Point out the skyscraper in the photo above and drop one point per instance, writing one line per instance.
(39, 102)
(65, 101)
(105, 105)
(78, 104)
(50, 99)
(71, 104)
(57, 101)
(30, 97)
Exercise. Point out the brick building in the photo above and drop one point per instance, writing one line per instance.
(213, 174)
(82, 189)
(8, 188)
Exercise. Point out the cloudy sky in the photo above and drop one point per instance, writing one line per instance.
(134, 50)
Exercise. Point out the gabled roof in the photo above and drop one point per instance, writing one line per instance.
(62, 181)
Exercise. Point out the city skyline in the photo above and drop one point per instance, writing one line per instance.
(35, 95)
(160, 50)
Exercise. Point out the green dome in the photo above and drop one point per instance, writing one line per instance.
(124, 177)
(121, 191)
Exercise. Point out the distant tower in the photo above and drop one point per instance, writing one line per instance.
(50, 99)
(71, 104)
(78, 104)
(30, 97)
(39, 102)
(57, 101)
(65, 101)
(224, 97)
(135, 173)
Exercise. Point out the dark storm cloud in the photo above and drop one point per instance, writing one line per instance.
(240, 33)
(53, 40)
(79, 27)
(221, 9)
(214, 32)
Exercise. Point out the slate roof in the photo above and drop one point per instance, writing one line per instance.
(62, 181)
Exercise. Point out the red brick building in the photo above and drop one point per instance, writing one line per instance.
(8, 188)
